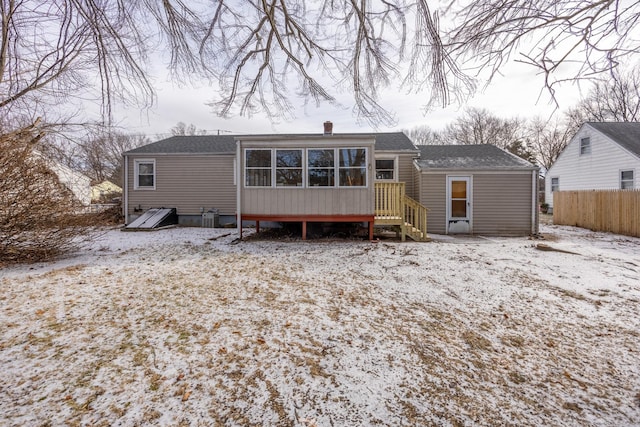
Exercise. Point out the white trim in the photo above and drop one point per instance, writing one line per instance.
(305, 167)
(469, 217)
(136, 165)
(534, 203)
(240, 184)
(125, 189)
(244, 167)
(633, 178)
(587, 147)
(395, 167)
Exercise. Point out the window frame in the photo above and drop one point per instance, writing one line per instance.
(269, 168)
(334, 173)
(394, 170)
(331, 169)
(585, 146)
(136, 174)
(281, 168)
(555, 187)
(627, 180)
(341, 168)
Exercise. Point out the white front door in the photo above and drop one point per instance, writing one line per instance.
(459, 204)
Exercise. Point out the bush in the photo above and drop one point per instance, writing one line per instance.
(39, 216)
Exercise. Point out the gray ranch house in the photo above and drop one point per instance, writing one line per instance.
(377, 179)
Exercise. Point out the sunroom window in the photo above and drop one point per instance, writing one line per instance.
(353, 167)
(289, 168)
(321, 167)
(257, 168)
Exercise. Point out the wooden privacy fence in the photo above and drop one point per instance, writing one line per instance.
(616, 211)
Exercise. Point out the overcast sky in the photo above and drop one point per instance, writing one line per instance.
(515, 93)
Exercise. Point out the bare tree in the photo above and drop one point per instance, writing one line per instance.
(183, 129)
(548, 138)
(595, 36)
(261, 54)
(480, 126)
(616, 98)
(53, 51)
(424, 135)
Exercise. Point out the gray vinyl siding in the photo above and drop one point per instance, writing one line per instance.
(502, 204)
(310, 200)
(405, 173)
(187, 183)
(433, 191)
(501, 201)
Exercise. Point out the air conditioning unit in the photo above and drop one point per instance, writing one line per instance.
(211, 219)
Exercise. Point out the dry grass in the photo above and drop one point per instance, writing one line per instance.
(285, 334)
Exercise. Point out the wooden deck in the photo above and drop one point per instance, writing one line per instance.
(395, 208)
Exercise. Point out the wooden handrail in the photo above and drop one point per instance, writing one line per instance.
(394, 207)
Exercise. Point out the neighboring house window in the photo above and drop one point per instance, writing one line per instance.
(289, 168)
(555, 184)
(352, 167)
(145, 175)
(257, 168)
(626, 180)
(385, 169)
(321, 168)
(585, 146)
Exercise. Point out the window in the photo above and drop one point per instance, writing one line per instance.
(385, 169)
(144, 174)
(257, 168)
(289, 168)
(321, 168)
(353, 167)
(555, 184)
(585, 146)
(626, 180)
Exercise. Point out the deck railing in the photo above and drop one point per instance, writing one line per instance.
(394, 207)
(389, 200)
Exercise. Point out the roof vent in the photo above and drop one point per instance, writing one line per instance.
(328, 128)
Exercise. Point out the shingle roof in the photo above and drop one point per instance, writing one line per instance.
(201, 144)
(627, 134)
(480, 156)
(195, 144)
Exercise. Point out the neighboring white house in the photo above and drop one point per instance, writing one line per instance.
(601, 156)
(78, 183)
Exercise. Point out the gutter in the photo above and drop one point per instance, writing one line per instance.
(534, 203)
(125, 195)
(239, 188)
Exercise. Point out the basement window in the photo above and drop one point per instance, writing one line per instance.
(144, 174)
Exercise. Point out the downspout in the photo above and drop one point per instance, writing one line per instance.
(239, 188)
(125, 204)
(534, 202)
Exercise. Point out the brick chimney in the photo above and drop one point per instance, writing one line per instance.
(328, 128)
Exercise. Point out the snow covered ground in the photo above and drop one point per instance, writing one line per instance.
(181, 327)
